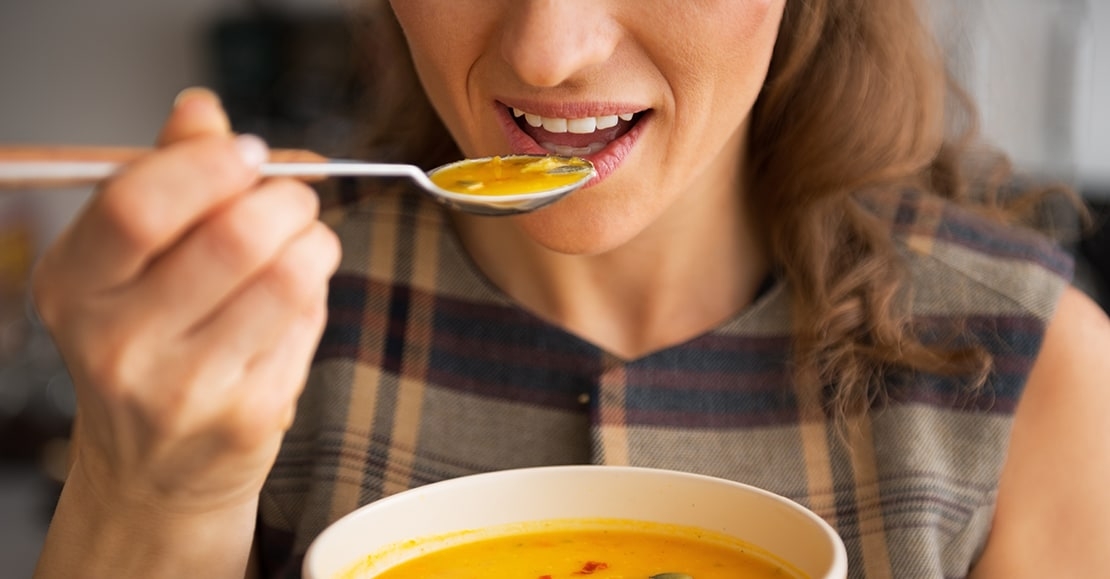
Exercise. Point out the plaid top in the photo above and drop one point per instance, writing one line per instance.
(426, 371)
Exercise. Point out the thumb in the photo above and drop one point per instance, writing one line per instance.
(196, 112)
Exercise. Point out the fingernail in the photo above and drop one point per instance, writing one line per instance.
(191, 92)
(252, 149)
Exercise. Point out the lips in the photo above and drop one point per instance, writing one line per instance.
(602, 134)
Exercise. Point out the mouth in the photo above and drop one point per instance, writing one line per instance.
(604, 135)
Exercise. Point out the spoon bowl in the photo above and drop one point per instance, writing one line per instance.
(512, 184)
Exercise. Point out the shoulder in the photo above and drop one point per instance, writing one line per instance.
(1053, 511)
(961, 259)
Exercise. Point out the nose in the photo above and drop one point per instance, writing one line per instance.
(547, 42)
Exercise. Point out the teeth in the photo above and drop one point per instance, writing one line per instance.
(608, 122)
(582, 126)
(554, 125)
(568, 151)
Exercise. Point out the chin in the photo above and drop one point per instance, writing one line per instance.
(588, 222)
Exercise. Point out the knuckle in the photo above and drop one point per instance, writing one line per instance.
(316, 313)
(302, 270)
(327, 249)
(234, 238)
(286, 278)
(302, 197)
(140, 203)
(312, 317)
(254, 228)
(289, 205)
(217, 159)
(111, 368)
(171, 413)
(120, 378)
(250, 425)
(115, 353)
(136, 220)
(334, 247)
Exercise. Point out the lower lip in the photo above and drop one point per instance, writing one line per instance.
(605, 161)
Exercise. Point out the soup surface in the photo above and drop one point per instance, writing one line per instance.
(512, 175)
(620, 550)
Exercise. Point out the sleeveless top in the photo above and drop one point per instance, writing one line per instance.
(426, 371)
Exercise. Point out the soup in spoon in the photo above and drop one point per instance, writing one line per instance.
(514, 175)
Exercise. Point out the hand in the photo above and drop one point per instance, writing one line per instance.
(187, 300)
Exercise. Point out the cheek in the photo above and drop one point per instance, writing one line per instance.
(758, 14)
(731, 48)
(698, 32)
(433, 45)
(715, 61)
(742, 53)
(444, 39)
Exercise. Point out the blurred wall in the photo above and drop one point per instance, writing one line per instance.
(95, 72)
(1040, 72)
(101, 72)
(1093, 109)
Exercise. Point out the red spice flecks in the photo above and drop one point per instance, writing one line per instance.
(545, 576)
(590, 567)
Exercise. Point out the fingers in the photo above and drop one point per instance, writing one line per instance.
(197, 112)
(261, 338)
(268, 402)
(140, 211)
(144, 210)
(225, 251)
(187, 299)
(252, 321)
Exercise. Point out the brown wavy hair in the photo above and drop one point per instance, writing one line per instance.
(854, 102)
(857, 103)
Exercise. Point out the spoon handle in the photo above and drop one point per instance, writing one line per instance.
(37, 167)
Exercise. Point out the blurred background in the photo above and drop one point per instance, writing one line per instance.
(106, 72)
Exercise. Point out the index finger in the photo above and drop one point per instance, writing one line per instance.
(151, 204)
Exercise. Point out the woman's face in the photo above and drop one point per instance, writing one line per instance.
(655, 93)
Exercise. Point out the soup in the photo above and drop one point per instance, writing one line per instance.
(512, 175)
(600, 549)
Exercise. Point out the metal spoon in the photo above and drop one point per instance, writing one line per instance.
(39, 167)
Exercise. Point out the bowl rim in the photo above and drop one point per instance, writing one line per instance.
(837, 568)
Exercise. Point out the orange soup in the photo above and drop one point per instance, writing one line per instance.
(511, 175)
(601, 550)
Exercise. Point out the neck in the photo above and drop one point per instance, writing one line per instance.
(695, 267)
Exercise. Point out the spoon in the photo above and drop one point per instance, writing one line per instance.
(487, 186)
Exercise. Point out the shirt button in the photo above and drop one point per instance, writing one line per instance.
(583, 398)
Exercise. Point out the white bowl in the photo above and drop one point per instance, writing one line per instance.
(776, 524)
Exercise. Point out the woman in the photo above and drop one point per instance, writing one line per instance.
(772, 280)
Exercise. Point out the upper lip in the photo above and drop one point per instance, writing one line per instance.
(572, 110)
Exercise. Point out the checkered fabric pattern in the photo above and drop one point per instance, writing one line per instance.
(427, 371)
